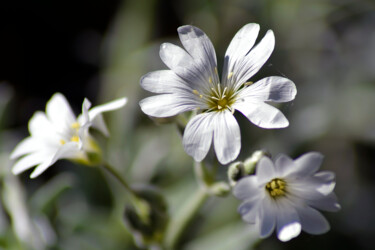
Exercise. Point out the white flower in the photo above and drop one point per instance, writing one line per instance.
(58, 134)
(286, 196)
(192, 83)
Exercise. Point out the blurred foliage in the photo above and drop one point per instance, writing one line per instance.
(326, 47)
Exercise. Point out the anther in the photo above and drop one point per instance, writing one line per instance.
(75, 125)
(74, 138)
(230, 75)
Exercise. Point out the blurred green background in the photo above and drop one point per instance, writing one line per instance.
(100, 49)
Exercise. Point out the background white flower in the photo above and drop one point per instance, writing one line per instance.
(193, 83)
(58, 134)
(286, 196)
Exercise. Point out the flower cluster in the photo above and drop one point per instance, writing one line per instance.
(284, 195)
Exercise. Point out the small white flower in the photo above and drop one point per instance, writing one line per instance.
(192, 83)
(286, 196)
(58, 134)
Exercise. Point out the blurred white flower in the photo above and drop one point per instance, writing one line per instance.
(193, 84)
(286, 196)
(58, 134)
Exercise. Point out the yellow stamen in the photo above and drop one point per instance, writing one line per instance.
(195, 92)
(62, 142)
(75, 125)
(210, 79)
(216, 70)
(276, 188)
(74, 138)
(230, 75)
(248, 83)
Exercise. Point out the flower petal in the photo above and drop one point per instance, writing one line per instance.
(60, 113)
(26, 146)
(267, 217)
(313, 222)
(288, 221)
(31, 160)
(265, 171)
(262, 114)
(227, 137)
(246, 188)
(166, 105)
(284, 165)
(110, 106)
(326, 203)
(273, 89)
(255, 59)
(198, 136)
(240, 45)
(164, 81)
(307, 164)
(41, 127)
(249, 210)
(183, 65)
(199, 46)
(68, 150)
(95, 114)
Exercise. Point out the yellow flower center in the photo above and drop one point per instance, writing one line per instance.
(276, 188)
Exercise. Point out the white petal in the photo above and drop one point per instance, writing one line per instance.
(288, 221)
(315, 191)
(273, 89)
(199, 46)
(110, 106)
(175, 57)
(66, 151)
(164, 81)
(166, 105)
(267, 217)
(227, 137)
(326, 203)
(60, 113)
(265, 171)
(249, 210)
(84, 117)
(246, 188)
(26, 146)
(307, 164)
(41, 127)
(240, 45)
(284, 165)
(262, 114)
(183, 65)
(198, 136)
(255, 59)
(95, 114)
(31, 160)
(312, 221)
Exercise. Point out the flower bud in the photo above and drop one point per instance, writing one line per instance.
(235, 172)
(251, 162)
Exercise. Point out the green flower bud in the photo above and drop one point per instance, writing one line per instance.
(251, 162)
(147, 218)
(235, 172)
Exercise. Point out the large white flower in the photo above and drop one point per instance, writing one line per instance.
(192, 83)
(286, 196)
(58, 134)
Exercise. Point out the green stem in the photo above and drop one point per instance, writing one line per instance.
(178, 224)
(115, 174)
